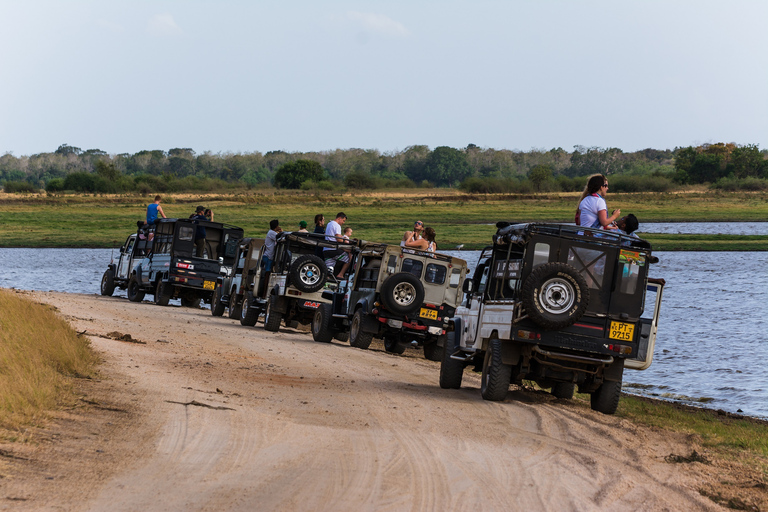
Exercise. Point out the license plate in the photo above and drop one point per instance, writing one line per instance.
(430, 314)
(622, 331)
(209, 285)
(308, 304)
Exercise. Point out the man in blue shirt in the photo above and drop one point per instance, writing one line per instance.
(269, 246)
(199, 231)
(153, 209)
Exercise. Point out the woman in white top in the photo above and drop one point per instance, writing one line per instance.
(424, 244)
(593, 211)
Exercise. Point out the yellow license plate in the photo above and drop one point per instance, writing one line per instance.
(622, 331)
(431, 314)
(209, 285)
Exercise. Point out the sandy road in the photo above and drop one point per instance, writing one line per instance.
(210, 415)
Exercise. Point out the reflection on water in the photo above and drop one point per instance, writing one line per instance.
(712, 334)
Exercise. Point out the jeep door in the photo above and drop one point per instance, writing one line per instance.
(124, 266)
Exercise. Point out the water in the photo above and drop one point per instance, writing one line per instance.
(711, 348)
(705, 228)
(712, 344)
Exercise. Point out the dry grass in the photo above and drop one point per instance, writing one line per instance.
(40, 354)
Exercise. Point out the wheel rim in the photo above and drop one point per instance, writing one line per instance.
(486, 365)
(404, 294)
(244, 309)
(103, 283)
(309, 274)
(557, 296)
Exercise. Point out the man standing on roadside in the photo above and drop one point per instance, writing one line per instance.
(269, 246)
(153, 209)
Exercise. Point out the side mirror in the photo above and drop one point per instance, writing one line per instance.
(468, 287)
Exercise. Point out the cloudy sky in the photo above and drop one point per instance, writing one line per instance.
(318, 75)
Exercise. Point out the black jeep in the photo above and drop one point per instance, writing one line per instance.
(560, 305)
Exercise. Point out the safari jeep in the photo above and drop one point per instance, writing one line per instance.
(560, 305)
(397, 294)
(293, 290)
(118, 274)
(170, 269)
(231, 289)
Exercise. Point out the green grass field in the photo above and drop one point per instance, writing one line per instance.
(101, 221)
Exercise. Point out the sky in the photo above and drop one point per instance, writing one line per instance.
(293, 75)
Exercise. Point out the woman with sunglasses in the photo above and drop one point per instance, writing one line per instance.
(412, 236)
(592, 211)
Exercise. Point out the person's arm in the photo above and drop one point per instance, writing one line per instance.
(418, 244)
(606, 221)
(160, 211)
(408, 236)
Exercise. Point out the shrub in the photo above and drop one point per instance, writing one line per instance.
(55, 185)
(640, 184)
(732, 184)
(11, 187)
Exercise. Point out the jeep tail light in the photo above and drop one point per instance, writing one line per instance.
(528, 335)
(621, 349)
(374, 311)
(187, 266)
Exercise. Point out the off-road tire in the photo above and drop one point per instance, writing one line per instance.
(108, 282)
(273, 318)
(235, 308)
(563, 390)
(342, 336)
(433, 351)
(321, 324)
(605, 399)
(451, 371)
(402, 293)
(393, 346)
(249, 315)
(190, 302)
(358, 338)
(308, 273)
(555, 295)
(162, 297)
(134, 291)
(494, 384)
(217, 307)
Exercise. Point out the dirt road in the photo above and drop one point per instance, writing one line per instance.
(204, 414)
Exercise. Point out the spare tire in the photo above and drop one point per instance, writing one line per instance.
(402, 293)
(308, 273)
(555, 295)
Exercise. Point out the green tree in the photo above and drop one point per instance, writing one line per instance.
(445, 166)
(293, 174)
(539, 175)
(747, 161)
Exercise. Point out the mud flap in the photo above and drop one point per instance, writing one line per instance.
(614, 372)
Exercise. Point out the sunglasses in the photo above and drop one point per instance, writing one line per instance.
(419, 224)
(605, 186)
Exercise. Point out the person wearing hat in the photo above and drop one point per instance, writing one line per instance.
(303, 227)
(200, 231)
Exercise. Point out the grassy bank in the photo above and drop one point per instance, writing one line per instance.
(105, 221)
(40, 354)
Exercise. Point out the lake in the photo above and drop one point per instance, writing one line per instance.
(711, 348)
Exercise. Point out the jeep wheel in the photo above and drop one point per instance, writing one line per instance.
(108, 282)
(496, 375)
(162, 293)
(563, 390)
(358, 338)
(321, 324)
(342, 336)
(432, 351)
(308, 273)
(393, 346)
(217, 307)
(193, 302)
(605, 399)
(235, 308)
(248, 314)
(273, 318)
(135, 293)
(402, 293)
(555, 295)
(451, 370)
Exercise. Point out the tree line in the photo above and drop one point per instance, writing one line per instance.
(472, 168)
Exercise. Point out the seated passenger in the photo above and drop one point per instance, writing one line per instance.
(412, 236)
(424, 244)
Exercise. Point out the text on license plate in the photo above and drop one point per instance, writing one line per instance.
(428, 313)
(622, 331)
(209, 285)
